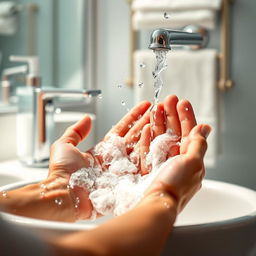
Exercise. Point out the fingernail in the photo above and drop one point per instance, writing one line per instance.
(205, 130)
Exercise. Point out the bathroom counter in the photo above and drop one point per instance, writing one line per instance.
(13, 171)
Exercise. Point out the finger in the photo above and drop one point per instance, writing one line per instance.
(128, 120)
(197, 145)
(172, 118)
(77, 132)
(157, 120)
(133, 135)
(144, 148)
(186, 117)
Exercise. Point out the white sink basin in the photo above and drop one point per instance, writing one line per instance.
(13, 171)
(219, 220)
(7, 179)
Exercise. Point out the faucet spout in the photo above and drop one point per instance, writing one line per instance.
(164, 39)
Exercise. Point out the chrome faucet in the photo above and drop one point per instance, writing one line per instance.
(42, 98)
(164, 39)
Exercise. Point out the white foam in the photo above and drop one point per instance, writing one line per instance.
(118, 188)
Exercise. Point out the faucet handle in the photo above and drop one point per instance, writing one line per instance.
(13, 71)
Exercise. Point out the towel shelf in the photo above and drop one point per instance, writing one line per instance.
(225, 82)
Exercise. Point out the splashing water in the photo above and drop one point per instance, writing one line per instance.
(160, 67)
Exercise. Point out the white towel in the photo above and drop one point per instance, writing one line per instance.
(152, 20)
(8, 18)
(175, 5)
(8, 25)
(7, 9)
(190, 75)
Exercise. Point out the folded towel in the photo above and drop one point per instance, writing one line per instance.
(7, 9)
(8, 25)
(190, 75)
(175, 5)
(152, 20)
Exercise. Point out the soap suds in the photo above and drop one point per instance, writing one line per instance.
(119, 187)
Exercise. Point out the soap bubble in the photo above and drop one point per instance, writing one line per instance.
(119, 86)
(100, 96)
(123, 103)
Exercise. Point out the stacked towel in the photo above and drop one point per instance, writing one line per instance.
(8, 19)
(190, 75)
(149, 14)
(178, 19)
(175, 5)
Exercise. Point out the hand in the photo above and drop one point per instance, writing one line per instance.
(182, 177)
(66, 158)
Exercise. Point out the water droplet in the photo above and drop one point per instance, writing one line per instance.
(178, 143)
(57, 110)
(100, 96)
(4, 194)
(186, 109)
(123, 103)
(58, 201)
(141, 85)
(139, 117)
(166, 15)
(77, 202)
(142, 65)
(161, 195)
(68, 187)
(119, 86)
(43, 186)
(167, 205)
(130, 126)
(42, 194)
(145, 153)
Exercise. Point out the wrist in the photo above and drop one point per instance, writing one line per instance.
(49, 199)
(163, 202)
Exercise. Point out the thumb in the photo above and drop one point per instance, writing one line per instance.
(197, 145)
(77, 132)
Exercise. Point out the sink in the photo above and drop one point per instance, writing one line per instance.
(7, 179)
(13, 171)
(219, 220)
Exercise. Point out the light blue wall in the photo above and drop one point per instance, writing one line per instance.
(18, 44)
(237, 163)
(59, 41)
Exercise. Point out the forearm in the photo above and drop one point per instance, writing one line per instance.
(142, 231)
(46, 200)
